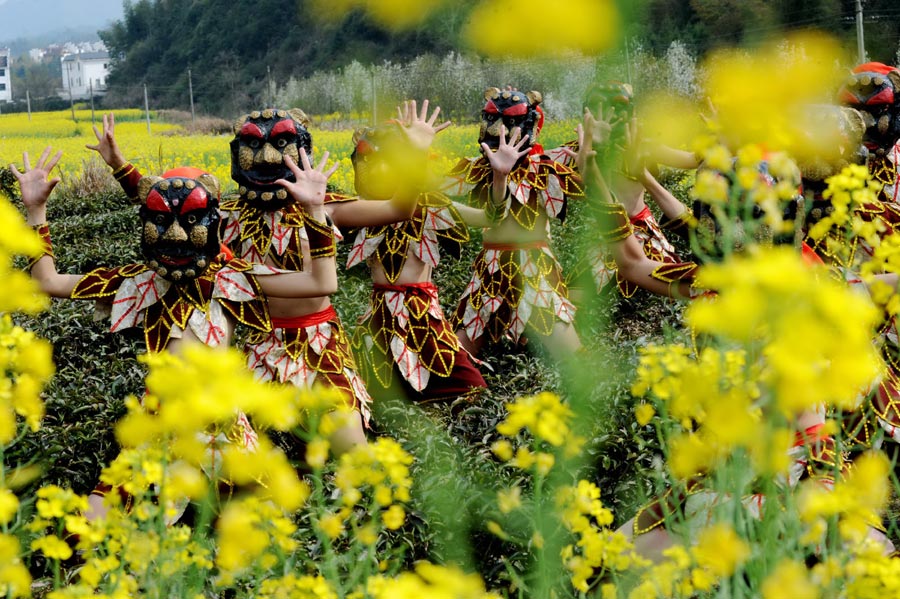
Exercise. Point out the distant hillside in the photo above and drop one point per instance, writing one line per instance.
(23, 22)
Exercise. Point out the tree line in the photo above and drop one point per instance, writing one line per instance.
(242, 53)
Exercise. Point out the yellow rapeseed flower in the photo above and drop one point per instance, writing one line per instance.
(720, 550)
(790, 580)
(9, 506)
(586, 26)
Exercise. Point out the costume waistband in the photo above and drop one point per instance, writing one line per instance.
(813, 434)
(508, 247)
(404, 287)
(641, 216)
(305, 320)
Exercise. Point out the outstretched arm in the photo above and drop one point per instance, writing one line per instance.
(108, 148)
(668, 203)
(628, 252)
(36, 190)
(419, 129)
(106, 144)
(308, 189)
(503, 161)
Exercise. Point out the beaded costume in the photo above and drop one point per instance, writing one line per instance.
(522, 284)
(404, 329)
(293, 351)
(133, 295)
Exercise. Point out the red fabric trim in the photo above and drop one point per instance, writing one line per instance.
(813, 434)
(508, 247)
(536, 149)
(427, 286)
(810, 257)
(188, 172)
(642, 215)
(875, 67)
(305, 320)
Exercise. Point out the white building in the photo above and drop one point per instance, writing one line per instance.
(85, 72)
(5, 76)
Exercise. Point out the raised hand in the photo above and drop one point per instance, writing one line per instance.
(35, 186)
(586, 152)
(420, 129)
(309, 186)
(508, 153)
(106, 144)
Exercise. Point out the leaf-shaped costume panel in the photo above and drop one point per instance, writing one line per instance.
(538, 184)
(140, 297)
(514, 288)
(435, 228)
(404, 331)
(306, 350)
(256, 235)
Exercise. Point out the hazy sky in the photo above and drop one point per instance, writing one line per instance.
(17, 17)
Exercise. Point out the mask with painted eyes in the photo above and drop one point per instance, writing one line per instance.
(874, 90)
(510, 109)
(180, 223)
(261, 141)
(378, 155)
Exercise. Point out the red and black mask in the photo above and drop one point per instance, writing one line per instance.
(510, 109)
(377, 155)
(261, 141)
(180, 223)
(874, 90)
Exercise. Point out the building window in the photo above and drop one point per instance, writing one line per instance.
(3, 60)
(2, 72)
(2, 87)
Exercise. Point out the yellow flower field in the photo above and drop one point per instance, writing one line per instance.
(168, 146)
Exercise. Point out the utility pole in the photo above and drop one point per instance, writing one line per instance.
(860, 42)
(191, 92)
(147, 108)
(270, 99)
(28, 102)
(91, 82)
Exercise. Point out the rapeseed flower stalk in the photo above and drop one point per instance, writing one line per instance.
(812, 334)
(849, 240)
(855, 501)
(597, 550)
(252, 534)
(380, 469)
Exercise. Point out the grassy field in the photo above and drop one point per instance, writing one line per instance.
(524, 487)
(93, 224)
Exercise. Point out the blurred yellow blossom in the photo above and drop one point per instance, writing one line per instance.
(790, 580)
(761, 95)
(588, 26)
(9, 505)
